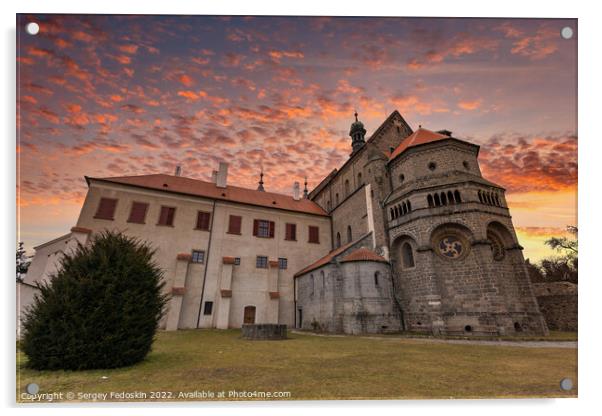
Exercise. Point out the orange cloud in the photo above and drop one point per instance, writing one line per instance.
(469, 105)
(131, 48)
(186, 80)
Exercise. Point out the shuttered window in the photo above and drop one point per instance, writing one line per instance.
(234, 224)
(291, 232)
(166, 216)
(138, 212)
(106, 209)
(202, 220)
(263, 228)
(314, 234)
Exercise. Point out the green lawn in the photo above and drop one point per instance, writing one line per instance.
(313, 367)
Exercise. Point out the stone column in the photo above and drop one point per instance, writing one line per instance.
(223, 309)
(273, 301)
(177, 291)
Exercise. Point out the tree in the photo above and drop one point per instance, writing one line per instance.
(23, 262)
(567, 247)
(535, 273)
(101, 309)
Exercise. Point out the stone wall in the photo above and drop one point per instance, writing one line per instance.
(558, 304)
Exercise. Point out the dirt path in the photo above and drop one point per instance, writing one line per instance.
(524, 344)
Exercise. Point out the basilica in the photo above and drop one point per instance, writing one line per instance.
(406, 235)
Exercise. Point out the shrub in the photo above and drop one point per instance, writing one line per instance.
(101, 308)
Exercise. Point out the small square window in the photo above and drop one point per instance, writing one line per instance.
(237, 261)
(261, 262)
(282, 263)
(198, 256)
(208, 309)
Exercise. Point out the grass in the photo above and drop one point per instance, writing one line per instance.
(313, 368)
(552, 337)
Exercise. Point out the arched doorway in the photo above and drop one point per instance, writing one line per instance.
(249, 316)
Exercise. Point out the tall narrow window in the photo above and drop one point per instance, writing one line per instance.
(166, 216)
(450, 197)
(106, 209)
(208, 308)
(346, 187)
(234, 224)
(407, 255)
(263, 228)
(336, 199)
(376, 278)
(443, 199)
(338, 240)
(138, 212)
(349, 234)
(457, 196)
(314, 234)
(429, 199)
(291, 232)
(359, 179)
(437, 200)
(202, 220)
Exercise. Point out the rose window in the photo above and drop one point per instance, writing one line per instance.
(451, 247)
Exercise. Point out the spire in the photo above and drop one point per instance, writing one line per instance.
(305, 192)
(260, 187)
(357, 133)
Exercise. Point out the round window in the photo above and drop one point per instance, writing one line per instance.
(451, 247)
(432, 166)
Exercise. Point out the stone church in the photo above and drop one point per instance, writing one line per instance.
(405, 235)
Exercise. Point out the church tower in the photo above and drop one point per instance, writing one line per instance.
(357, 133)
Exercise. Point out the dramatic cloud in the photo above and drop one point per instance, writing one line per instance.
(104, 95)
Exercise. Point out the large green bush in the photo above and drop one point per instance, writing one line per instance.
(101, 309)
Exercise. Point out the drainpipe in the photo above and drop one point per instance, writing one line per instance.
(198, 321)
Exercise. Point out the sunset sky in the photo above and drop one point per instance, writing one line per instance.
(132, 95)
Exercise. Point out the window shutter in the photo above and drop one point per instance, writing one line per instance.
(106, 208)
(163, 216)
(234, 226)
(138, 212)
(255, 227)
(293, 231)
(314, 236)
(203, 220)
(272, 227)
(170, 214)
(288, 231)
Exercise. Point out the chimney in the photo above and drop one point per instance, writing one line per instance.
(296, 191)
(214, 176)
(178, 170)
(222, 175)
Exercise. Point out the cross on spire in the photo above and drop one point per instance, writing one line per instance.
(305, 191)
(355, 115)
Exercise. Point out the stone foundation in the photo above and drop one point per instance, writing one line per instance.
(264, 331)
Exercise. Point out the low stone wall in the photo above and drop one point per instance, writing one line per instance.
(558, 304)
(264, 331)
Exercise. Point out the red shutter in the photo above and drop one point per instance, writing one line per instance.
(294, 232)
(106, 208)
(170, 214)
(255, 227)
(314, 234)
(234, 225)
(163, 216)
(138, 212)
(287, 232)
(272, 227)
(203, 219)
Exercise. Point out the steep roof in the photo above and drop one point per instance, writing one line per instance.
(420, 136)
(326, 259)
(195, 187)
(363, 254)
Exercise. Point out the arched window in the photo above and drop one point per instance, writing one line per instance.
(443, 199)
(359, 179)
(328, 205)
(338, 240)
(376, 276)
(392, 214)
(409, 206)
(457, 196)
(497, 200)
(481, 197)
(437, 200)
(489, 201)
(407, 255)
(346, 187)
(450, 197)
(336, 199)
(404, 209)
(311, 284)
(323, 278)
(429, 199)
(349, 234)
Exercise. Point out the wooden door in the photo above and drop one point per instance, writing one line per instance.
(249, 317)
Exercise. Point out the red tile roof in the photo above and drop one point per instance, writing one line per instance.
(420, 136)
(325, 260)
(195, 187)
(363, 254)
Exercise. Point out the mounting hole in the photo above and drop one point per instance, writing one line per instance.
(468, 328)
(32, 28)
(566, 32)
(432, 166)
